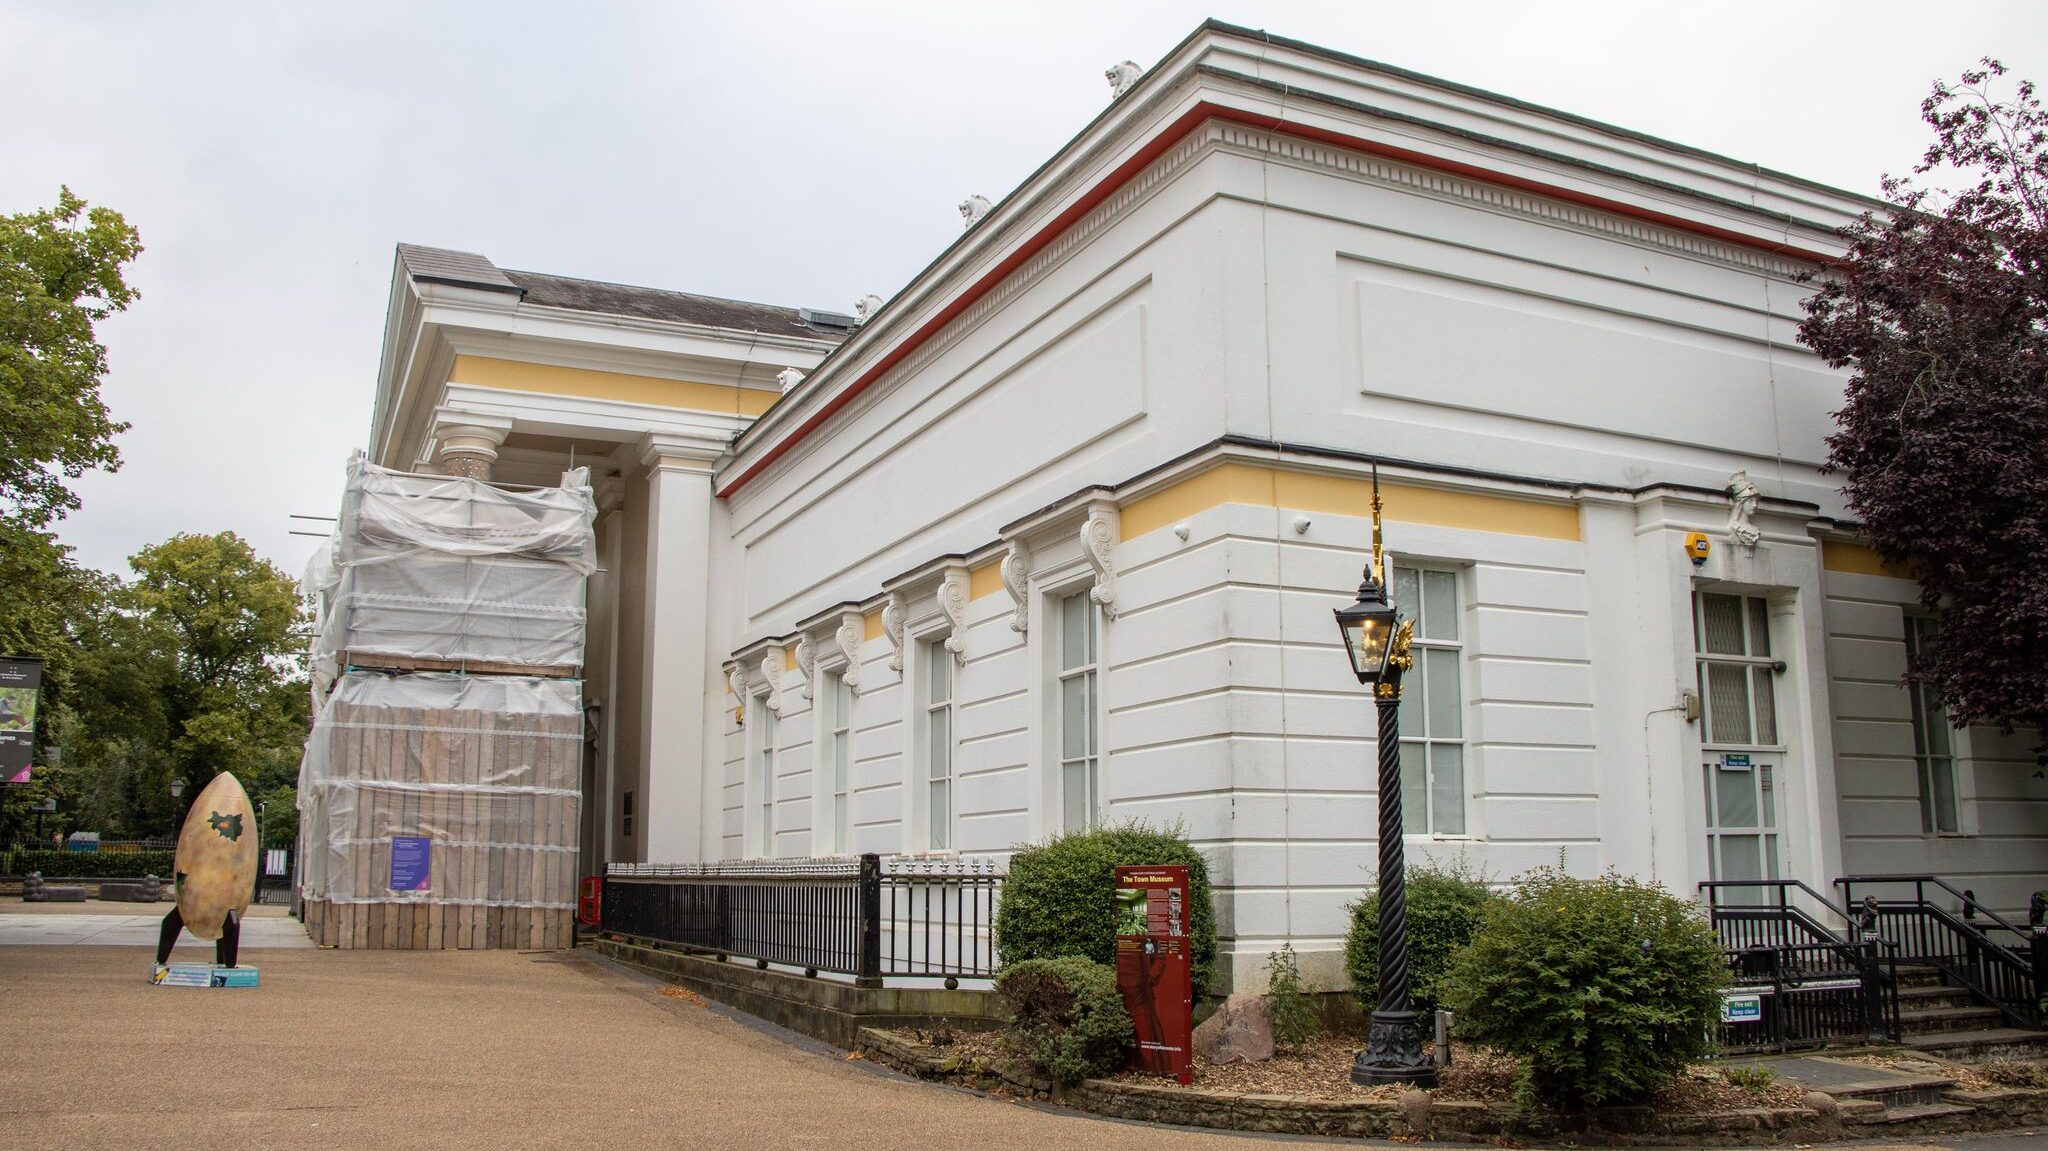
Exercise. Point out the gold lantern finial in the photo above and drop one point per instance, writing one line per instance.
(1379, 571)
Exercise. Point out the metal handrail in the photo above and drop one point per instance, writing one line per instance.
(1963, 898)
(1971, 956)
(1713, 885)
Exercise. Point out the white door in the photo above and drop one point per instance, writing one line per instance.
(1739, 735)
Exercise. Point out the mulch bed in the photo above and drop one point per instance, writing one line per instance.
(1321, 1069)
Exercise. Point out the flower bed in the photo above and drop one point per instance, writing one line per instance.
(1310, 1093)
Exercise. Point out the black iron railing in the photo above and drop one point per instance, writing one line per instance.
(866, 917)
(1813, 983)
(1938, 926)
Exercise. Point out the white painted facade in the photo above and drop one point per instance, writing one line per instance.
(1157, 376)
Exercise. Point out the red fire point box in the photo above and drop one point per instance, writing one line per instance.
(1155, 967)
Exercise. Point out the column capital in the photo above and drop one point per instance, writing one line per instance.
(681, 450)
(468, 441)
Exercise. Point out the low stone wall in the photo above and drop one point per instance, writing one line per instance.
(1416, 1116)
(825, 1009)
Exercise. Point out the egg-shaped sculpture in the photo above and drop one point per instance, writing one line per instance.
(217, 857)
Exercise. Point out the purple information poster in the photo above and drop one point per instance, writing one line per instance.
(411, 860)
(21, 681)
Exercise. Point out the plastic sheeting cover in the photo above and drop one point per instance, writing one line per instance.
(488, 769)
(385, 513)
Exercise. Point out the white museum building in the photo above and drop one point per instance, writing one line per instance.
(1053, 535)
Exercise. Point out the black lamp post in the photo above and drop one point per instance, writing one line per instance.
(177, 815)
(1377, 639)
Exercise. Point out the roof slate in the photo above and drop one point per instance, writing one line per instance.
(471, 270)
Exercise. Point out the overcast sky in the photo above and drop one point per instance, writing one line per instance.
(794, 153)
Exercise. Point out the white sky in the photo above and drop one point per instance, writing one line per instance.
(787, 152)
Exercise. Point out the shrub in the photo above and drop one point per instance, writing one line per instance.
(1749, 1076)
(1444, 906)
(1290, 1002)
(1060, 897)
(1607, 988)
(1066, 1016)
(89, 864)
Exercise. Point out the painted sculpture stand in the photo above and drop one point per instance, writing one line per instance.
(215, 872)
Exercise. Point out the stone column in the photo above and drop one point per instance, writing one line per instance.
(468, 442)
(673, 663)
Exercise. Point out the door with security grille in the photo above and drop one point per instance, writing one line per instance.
(1739, 735)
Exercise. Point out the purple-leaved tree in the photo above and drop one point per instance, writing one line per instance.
(1940, 314)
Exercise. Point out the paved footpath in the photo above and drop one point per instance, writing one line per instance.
(452, 1050)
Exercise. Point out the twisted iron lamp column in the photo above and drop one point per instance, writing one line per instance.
(1393, 1046)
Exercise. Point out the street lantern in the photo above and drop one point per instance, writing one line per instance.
(1377, 639)
(178, 787)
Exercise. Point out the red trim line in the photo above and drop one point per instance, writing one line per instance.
(1167, 138)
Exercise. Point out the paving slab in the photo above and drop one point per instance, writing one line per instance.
(458, 1050)
(1822, 1073)
(105, 929)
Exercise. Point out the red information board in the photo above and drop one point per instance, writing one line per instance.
(1155, 967)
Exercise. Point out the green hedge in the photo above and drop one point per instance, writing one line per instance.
(1060, 896)
(1444, 907)
(88, 864)
(1066, 1016)
(1606, 988)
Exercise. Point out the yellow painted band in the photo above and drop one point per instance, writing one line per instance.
(1855, 559)
(985, 580)
(873, 622)
(1260, 485)
(485, 372)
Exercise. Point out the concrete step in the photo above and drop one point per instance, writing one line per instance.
(1894, 1090)
(1913, 1113)
(1980, 1046)
(1937, 1020)
(1935, 995)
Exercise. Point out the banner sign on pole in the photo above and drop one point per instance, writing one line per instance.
(21, 681)
(411, 862)
(1155, 967)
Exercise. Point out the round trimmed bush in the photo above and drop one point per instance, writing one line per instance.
(1060, 896)
(1444, 906)
(1606, 988)
(1066, 1016)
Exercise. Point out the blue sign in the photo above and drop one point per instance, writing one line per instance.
(411, 859)
(1742, 1008)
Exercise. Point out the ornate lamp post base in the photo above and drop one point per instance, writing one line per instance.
(1393, 1052)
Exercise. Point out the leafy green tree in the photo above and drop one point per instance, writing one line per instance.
(60, 274)
(1940, 313)
(192, 670)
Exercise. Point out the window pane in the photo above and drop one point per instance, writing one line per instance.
(1759, 627)
(1074, 795)
(839, 761)
(940, 757)
(1074, 717)
(1088, 625)
(1766, 702)
(1728, 702)
(842, 702)
(1413, 689)
(941, 814)
(1934, 721)
(1073, 631)
(1737, 795)
(1770, 857)
(1767, 791)
(1740, 857)
(1942, 771)
(1721, 623)
(1447, 788)
(940, 675)
(1407, 593)
(1440, 670)
(1707, 773)
(1414, 790)
(1094, 740)
(1439, 606)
